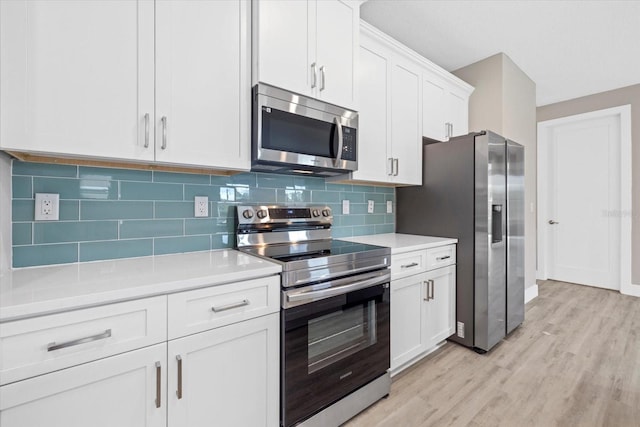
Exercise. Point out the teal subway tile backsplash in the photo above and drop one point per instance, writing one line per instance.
(120, 213)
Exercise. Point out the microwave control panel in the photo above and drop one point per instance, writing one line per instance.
(348, 143)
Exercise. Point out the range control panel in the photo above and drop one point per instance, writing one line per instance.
(284, 214)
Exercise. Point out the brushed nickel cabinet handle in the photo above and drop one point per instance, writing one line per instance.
(442, 258)
(158, 385)
(146, 130)
(179, 391)
(390, 173)
(164, 132)
(323, 78)
(413, 264)
(101, 336)
(230, 306)
(314, 75)
(426, 290)
(395, 162)
(433, 289)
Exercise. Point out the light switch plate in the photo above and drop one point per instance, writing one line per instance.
(370, 206)
(389, 206)
(345, 207)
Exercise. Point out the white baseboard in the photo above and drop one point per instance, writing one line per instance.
(530, 293)
(633, 290)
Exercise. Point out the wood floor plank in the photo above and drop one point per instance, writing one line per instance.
(575, 361)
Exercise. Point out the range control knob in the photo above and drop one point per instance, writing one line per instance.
(248, 214)
(315, 213)
(326, 212)
(261, 213)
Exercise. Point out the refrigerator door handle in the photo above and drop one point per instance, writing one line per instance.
(496, 223)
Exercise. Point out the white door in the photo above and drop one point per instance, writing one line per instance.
(201, 82)
(373, 138)
(440, 317)
(117, 391)
(583, 198)
(406, 123)
(228, 376)
(337, 27)
(284, 57)
(407, 318)
(76, 77)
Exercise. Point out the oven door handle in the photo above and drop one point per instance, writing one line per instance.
(300, 296)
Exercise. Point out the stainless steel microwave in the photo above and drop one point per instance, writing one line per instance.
(295, 134)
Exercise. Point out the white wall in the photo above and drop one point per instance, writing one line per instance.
(5, 212)
(504, 101)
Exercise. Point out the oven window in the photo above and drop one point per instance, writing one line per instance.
(293, 133)
(340, 334)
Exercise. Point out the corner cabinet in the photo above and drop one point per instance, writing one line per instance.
(423, 287)
(191, 358)
(135, 81)
(308, 47)
(390, 139)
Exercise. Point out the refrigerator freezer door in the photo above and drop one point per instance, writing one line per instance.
(515, 235)
(490, 241)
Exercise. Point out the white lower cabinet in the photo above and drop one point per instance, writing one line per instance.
(121, 391)
(422, 305)
(226, 376)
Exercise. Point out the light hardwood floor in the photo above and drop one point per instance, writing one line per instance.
(575, 361)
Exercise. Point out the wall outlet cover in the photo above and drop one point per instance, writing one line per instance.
(47, 207)
(345, 207)
(201, 206)
(389, 206)
(370, 205)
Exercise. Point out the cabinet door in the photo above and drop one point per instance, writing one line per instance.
(76, 78)
(283, 44)
(337, 29)
(434, 108)
(440, 318)
(407, 318)
(373, 131)
(116, 391)
(202, 83)
(406, 122)
(227, 376)
(458, 113)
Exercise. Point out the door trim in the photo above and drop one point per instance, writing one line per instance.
(544, 127)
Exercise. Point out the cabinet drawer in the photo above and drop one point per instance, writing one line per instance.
(203, 309)
(406, 264)
(43, 344)
(441, 257)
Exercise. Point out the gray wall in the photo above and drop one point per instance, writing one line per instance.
(5, 212)
(600, 101)
(504, 101)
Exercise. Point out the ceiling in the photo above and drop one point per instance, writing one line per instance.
(568, 48)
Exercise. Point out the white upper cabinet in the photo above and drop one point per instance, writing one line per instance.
(202, 77)
(139, 81)
(390, 115)
(308, 47)
(76, 78)
(445, 105)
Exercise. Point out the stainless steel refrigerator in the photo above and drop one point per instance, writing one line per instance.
(473, 190)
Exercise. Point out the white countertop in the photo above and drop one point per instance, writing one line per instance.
(35, 291)
(400, 243)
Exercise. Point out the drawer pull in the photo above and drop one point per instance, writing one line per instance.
(230, 306)
(53, 346)
(442, 258)
(413, 264)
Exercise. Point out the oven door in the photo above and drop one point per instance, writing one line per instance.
(293, 130)
(333, 345)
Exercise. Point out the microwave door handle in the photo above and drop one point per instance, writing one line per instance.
(340, 140)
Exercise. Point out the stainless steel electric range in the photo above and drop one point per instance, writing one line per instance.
(335, 313)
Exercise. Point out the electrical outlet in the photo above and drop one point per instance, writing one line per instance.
(201, 206)
(47, 207)
(370, 206)
(345, 207)
(389, 206)
(461, 329)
